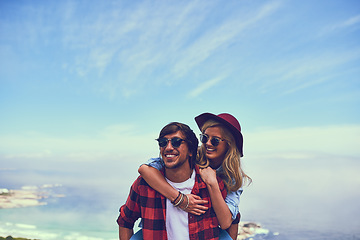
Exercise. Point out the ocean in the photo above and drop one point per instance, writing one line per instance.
(293, 199)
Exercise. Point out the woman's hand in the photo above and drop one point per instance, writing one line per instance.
(195, 206)
(208, 175)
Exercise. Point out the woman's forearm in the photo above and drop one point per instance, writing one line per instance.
(157, 181)
(221, 209)
(193, 205)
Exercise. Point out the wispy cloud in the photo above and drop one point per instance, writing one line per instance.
(220, 36)
(124, 47)
(205, 86)
(307, 71)
(345, 24)
(131, 44)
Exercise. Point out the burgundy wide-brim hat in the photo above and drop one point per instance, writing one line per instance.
(229, 121)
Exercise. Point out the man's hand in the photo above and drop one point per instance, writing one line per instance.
(196, 204)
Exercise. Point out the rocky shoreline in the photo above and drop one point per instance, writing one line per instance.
(11, 238)
(27, 196)
(248, 230)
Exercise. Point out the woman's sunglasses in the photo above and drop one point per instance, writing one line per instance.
(175, 142)
(204, 138)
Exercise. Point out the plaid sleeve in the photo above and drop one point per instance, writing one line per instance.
(205, 226)
(130, 211)
(222, 187)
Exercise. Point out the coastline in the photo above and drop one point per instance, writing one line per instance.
(21, 198)
(248, 230)
(32, 196)
(27, 196)
(15, 238)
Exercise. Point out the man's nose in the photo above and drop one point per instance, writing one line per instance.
(169, 146)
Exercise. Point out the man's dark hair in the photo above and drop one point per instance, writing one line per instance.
(190, 138)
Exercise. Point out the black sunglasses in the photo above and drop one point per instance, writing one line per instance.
(175, 142)
(214, 140)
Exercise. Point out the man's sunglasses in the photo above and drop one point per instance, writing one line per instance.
(175, 142)
(204, 138)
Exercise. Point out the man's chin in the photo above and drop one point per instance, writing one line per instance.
(171, 165)
(174, 165)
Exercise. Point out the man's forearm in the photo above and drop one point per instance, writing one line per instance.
(125, 233)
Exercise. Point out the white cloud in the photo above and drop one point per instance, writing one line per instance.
(33, 155)
(218, 37)
(297, 142)
(117, 130)
(130, 44)
(120, 140)
(350, 22)
(298, 172)
(111, 142)
(292, 75)
(204, 86)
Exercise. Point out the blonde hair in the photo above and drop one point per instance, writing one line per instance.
(232, 175)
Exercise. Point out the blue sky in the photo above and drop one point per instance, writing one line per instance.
(88, 79)
(86, 86)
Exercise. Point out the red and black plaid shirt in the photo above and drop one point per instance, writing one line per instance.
(146, 203)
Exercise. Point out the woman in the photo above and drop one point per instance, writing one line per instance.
(222, 147)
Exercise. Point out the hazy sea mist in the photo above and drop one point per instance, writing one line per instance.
(295, 196)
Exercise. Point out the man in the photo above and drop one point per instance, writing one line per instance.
(160, 218)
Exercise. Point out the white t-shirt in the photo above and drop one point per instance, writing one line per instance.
(177, 224)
